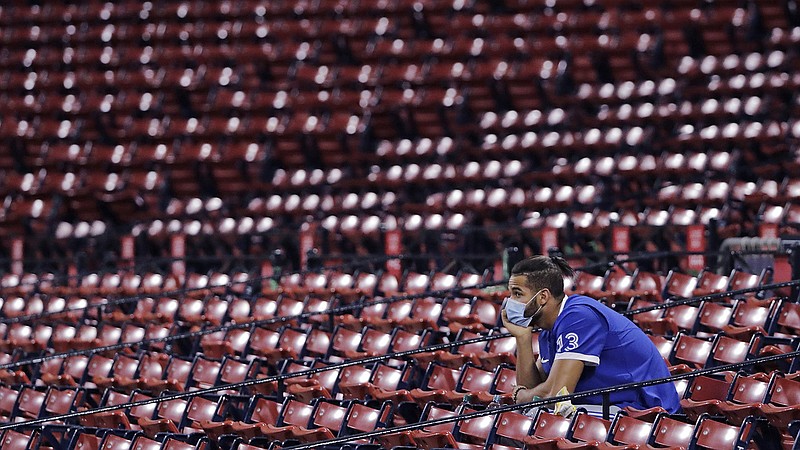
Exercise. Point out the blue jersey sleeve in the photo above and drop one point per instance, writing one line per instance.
(581, 335)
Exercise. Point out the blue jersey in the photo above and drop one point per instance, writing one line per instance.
(614, 351)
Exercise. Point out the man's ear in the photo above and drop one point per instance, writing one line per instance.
(544, 294)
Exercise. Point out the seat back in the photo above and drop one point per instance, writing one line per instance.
(710, 282)
(713, 316)
(727, 350)
(263, 410)
(415, 283)
(99, 365)
(585, 283)
(263, 339)
(236, 370)
(399, 309)
(679, 285)
(512, 425)
(475, 430)
(617, 282)
(475, 347)
(173, 410)
(14, 440)
(327, 378)
(171, 443)
(663, 345)
(8, 397)
(749, 389)
(145, 411)
(627, 430)
(404, 340)
(441, 377)
(329, 415)
(587, 428)
(293, 339)
(362, 418)
(354, 377)
(547, 425)
(75, 366)
(742, 280)
(506, 345)
(684, 317)
(204, 372)
(179, 369)
(441, 281)
(295, 413)
(388, 377)
(375, 341)
(648, 282)
(638, 303)
(785, 392)
(318, 343)
(344, 340)
(201, 408)
(690, 350)
(669, 432)
(63, 400)
(753, 312)
(505, 379)
(788, 318)
(433, 412)
(150, 366)
(487, 311)
(704, 388)
(711, 434)
(30, 402)
(112, 441)
(474, 379)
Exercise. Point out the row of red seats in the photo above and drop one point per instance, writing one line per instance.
(687, 353)
(744, 327)
(741, 318)
(428, 388)
(195, 285)
(757, 62)
(460, 176)
(496, 26)
(618, 285)
(297, 421)
(748, 398)
(77, 438)
(581, 201)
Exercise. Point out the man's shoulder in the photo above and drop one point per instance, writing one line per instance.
(587, 305)
(581, 304)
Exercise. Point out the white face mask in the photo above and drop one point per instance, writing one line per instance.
(516, 311)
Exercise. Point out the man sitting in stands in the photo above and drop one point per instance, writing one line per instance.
(583, 345)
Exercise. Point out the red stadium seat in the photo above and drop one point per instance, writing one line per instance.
(689, 353)
(704, 395)
(781, 408)
(586, 432)
(747, 394)
(714, 434)
(548, 430)
(713, 318)
(671, 432)
(627, 431)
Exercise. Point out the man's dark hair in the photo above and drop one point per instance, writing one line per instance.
(544, 272)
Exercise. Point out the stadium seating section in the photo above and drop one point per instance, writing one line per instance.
(234, 122)
(246, 116)
(220, 337)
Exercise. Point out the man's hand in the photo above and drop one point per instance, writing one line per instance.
(515, 330)
(564, 408)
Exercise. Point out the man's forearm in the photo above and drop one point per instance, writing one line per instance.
(527, 373)
(564, 374)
